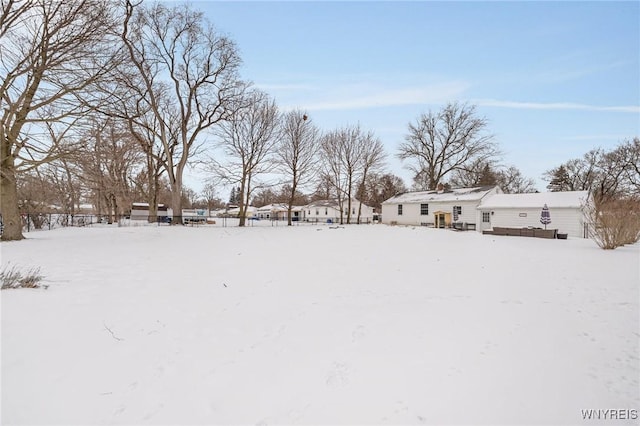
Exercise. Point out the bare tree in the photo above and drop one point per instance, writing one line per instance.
(608, 175)
(348, 156)
(511, 181)
(297, 152)
(248, 141)
(190, 81)
(110, 169)
(475, 173)
(372, 158)
(439, 143)
(487, 173)
(340, 159)
(210, 194)
(381, 187)
(615, 221)
(51, 53)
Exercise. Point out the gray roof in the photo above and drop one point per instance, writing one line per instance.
(457, 194)
(565, 199)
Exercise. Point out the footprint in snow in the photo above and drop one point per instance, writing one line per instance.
(338, 375)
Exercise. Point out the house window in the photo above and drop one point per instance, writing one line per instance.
(309, 212)
(424, 209)
(399, 209)
(317, 212)
(457, 209)
(486, 217)
(326, 211)
(353, 210)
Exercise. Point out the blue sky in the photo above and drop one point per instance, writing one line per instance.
(554, 79)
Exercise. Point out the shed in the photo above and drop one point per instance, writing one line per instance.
(567, 210)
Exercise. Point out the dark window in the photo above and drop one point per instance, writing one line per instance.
(457, 209)
(486, 217)
(399, 209)
(424, 209)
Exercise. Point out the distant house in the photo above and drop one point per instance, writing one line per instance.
(440, 209)
(249, 211)
(329, 211)
(524, 210)
(140, 211)
(279, 212)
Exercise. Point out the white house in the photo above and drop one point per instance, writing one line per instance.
(279, 212)
(524, 210)
(140, 211)
(329, 211)
(249, 211)
(441, 209)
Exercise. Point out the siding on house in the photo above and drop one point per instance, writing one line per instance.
(566, 220)
(523, 210)
(324, 210)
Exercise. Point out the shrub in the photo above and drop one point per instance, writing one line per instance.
(12, 277)
(615, 222)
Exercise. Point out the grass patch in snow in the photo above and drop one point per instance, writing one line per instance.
(12, 277)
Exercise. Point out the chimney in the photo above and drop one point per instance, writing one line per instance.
(440, 188)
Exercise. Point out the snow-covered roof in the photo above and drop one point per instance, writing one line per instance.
(333, 203)
(247, 209)
(273, 207)
(458, 194)
(566, 199)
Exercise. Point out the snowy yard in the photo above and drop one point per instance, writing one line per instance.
(314, 325)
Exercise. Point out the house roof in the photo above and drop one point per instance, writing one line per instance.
(458, 194)
(333, 203)
(278, 207)
(566, 199)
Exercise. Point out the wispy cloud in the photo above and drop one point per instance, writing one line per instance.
(283, 87)
(555, 106)
(375, 96)
(608, 137)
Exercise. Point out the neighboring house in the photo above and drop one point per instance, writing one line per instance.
(440, 209)
(524, 210)
(140, 211)
(248, 212)
(279, 212)
(329, 211)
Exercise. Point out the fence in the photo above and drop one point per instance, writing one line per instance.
(48, 221)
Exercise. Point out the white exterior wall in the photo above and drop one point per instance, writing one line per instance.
(566, 220)
(320, 213)
(411, 212)
(324, 213)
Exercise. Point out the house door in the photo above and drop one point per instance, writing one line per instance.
(442, 219)
(485, 221)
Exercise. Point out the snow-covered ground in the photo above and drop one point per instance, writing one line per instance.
(318, 325)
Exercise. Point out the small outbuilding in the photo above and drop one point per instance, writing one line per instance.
(566, 211)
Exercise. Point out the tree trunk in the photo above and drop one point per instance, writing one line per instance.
(291, 198)
(176, 203)
(241, 205)
(152, 199)
(9, 199)
(153, 206)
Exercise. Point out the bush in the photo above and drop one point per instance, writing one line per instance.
(12, 277)
(615, 222)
